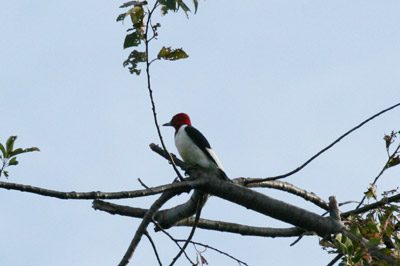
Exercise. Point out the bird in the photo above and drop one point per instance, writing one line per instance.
(193, 147)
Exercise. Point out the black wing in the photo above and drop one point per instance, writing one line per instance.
(200, 140)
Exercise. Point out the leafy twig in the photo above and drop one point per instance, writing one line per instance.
(8, 155)
(379, 175)
(151, 91)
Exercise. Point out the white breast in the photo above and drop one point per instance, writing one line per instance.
(191, 153)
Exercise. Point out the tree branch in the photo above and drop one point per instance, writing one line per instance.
(153, 246)
(287, 187)
(255, 180)
(241, 229)
(97, 194)
(173, 239)
(157, 149)
(203, 223)
(268, 206)
(372, 206)
(143, 225)
(196, 221)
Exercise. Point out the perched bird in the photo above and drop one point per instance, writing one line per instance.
(193, 146)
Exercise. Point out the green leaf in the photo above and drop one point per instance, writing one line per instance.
(171, 54)
(121, 17)
(170, 4)
(167, 5)
(196, 5)
(137, 14)
(133, 3)
(5, 173)
(10, 145)
(19, 151)
(134, 58)
(375, 241)
(356, 232)
(13, 161)
(130, 3)
(182, 5)
(31, 149)
(3, 150)
(132, 39)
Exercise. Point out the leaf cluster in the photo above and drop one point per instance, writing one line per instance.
(143, 31)
(8, 155)
(379, 226)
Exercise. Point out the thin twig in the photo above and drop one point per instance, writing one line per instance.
(297, 240)
(143, 226)
(153, 105)
(335, 259)
(325, 149)
(215, 249)
(173, 239)
(143, 184)
(379, 175)
(154, 247)
(371, 206)
(196, 221)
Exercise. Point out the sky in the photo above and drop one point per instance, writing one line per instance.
(270, 83)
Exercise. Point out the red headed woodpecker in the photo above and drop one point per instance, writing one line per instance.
(193, 146)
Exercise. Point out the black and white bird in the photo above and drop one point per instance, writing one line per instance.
(193, 147)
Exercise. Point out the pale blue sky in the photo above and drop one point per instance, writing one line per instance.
(269, 83)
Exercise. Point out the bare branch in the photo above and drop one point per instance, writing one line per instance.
(173, 239)
(334, 212)
(143, 225)
(268, 206)
(215, 249)
(154, 247)
(196, 221)
(245, 230)
(203, 223)
(252, 200)
(324, 149)
(287, 187)
(97, 194)
(157, 149)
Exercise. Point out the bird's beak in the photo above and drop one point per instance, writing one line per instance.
(167, 124)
